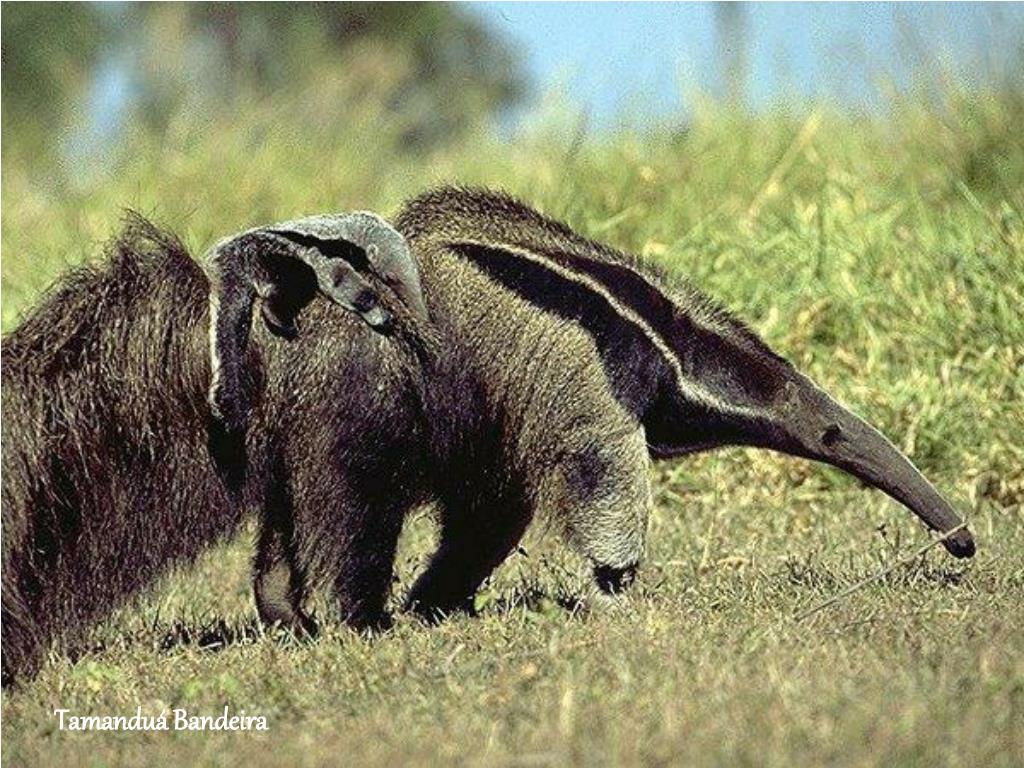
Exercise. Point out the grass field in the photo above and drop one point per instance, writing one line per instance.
(884, 256)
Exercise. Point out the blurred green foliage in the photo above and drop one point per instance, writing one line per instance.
(48, 51)
(433, 63)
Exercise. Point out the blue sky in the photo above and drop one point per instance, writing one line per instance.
(608, 58)
(634, 62)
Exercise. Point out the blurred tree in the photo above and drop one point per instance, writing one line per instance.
(48, 51)
(456, 71)
(432, 65)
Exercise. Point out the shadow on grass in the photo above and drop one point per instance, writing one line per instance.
(212, 636)
(531, 599)
(215, 635)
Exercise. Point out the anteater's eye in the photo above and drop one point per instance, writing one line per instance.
(832, 435)
(364, 301)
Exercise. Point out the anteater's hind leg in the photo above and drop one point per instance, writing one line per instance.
(475, 539)
(364, 564)
(22, 645)
(602, 491)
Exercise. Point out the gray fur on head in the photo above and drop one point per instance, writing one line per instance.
(284, 265)
(384, 251)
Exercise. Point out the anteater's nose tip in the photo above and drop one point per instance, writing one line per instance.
(380, 320)
(960, 544)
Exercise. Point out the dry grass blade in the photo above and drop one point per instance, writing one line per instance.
(876, 576)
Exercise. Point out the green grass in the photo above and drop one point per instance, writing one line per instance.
(885, 257)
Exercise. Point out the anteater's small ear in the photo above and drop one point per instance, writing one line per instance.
(284, 266)
(369, 243)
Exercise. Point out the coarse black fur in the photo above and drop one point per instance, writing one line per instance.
(108, 476)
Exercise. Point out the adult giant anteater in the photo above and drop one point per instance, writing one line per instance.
(567, 367)
(589, 362)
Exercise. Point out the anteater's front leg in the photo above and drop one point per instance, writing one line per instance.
(602, 490)
(475, 538)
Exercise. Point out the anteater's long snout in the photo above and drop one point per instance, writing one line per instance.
(828, 432)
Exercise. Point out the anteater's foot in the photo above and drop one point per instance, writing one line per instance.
(614, 581)
(434, 611)
(299, 625)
